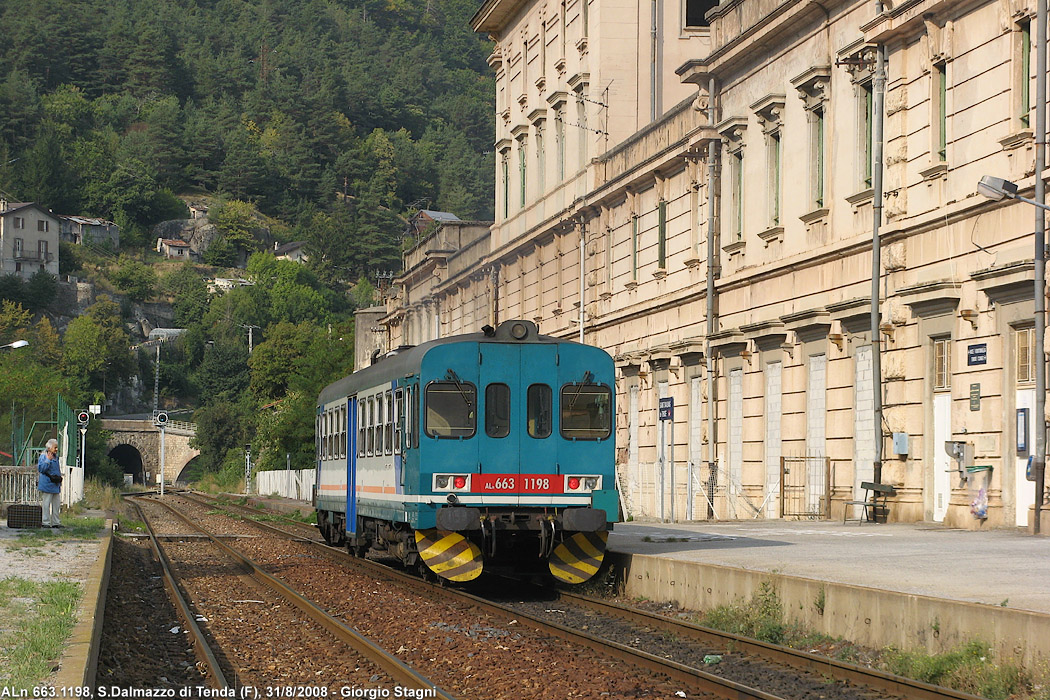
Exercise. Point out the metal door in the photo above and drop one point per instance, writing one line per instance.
(1024, 491)
(942, 463)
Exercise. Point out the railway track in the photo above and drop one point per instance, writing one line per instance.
(255, 639)
(662, 646)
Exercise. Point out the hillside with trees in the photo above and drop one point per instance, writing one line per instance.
(323, 122)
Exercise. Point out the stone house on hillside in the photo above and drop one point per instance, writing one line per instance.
(29, 237)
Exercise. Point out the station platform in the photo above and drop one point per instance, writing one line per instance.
(903, 584)
(910, 585)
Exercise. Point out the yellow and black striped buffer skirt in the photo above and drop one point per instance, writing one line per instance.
(449, 554)
(577, 559)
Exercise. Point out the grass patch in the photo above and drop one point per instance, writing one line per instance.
(37, 620)
(970, 668)
(76, 528)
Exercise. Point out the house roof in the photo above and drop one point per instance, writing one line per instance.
(439, 215)
(12, 207)
(174, 243)
(289, 248)
(86, 220)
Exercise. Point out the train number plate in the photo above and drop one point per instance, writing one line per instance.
(517, 483)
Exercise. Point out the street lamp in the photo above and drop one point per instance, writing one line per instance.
(997, 189)
(16, 344)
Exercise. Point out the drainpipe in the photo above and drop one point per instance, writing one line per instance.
(878, 99)
(494, 285)
(1039, 461)
(652, 61)
(583, 240)
(713, 269)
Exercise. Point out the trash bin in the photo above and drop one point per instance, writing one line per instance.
(979, 480)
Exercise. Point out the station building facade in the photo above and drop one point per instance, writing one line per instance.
(689, 185)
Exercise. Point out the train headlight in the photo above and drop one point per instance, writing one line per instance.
(583, 483)
(451, 482)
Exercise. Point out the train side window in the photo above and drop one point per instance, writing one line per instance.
(415, 417)
(328, 434)
(317, 437)
(409, 412)
(585, 413)
(451, 409)
(369, 432)
(399, 417)
(497, 410)
(539, 410)
(342, 431)
(362, 438)
(389, 403)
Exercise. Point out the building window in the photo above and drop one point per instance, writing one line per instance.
(19, 247)
(634, 247)
(559, 140)
(942, 364)
(818, 158)
(19, 222)
(696, 11)
(505, 177)
(736, 197)
(1025, 354)
(1026, 72)
(867, 121)
(774, 178)
(581, 114)
(42, 226)
(521, 172)
(940, 117)
(661, 235)
(541, 161)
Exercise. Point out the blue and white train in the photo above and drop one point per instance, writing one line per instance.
(487, 450)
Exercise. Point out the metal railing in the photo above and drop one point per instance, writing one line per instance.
(18, 485)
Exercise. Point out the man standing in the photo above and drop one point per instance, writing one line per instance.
(50, 484)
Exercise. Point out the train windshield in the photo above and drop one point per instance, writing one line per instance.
(585, 413)
(450, 411)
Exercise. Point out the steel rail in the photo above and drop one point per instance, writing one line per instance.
(839, 670)
(692, 677)
(201, 647)
(399, 671)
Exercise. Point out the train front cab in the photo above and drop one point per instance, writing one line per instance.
(517, 448)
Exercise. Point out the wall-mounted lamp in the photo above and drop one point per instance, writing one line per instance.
(747, 353)
(837, 339)
(887, 329)
(969, 315)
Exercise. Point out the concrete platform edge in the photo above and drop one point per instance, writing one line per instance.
(866, 616)
(79, 661)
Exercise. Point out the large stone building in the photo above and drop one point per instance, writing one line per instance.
(690, 185)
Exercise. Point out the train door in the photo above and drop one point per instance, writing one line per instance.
(351, 429)
(517, 386)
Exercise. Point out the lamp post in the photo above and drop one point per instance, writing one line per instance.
(996, 189)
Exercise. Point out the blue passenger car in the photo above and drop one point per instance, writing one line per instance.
(491, 449)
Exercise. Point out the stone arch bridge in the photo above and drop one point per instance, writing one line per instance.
(135, 445)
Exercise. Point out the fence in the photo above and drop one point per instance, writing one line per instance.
(18, 485)
(805, 490)
(286, 483)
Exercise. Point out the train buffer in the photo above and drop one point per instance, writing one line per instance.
(873, 507)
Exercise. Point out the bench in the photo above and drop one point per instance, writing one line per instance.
(874, 502)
